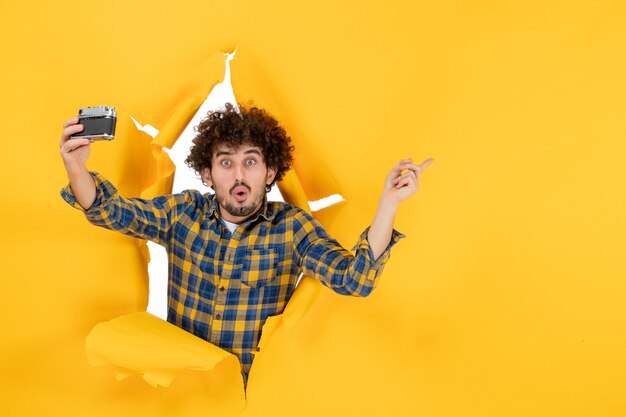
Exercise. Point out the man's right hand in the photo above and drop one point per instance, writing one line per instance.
(75, 153)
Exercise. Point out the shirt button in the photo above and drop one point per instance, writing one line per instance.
(222, 289)
(218, 316)
(229, 256)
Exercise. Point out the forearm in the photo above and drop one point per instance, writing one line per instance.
(150, 219)
(379, 234)
(346, 273)
(82, 184)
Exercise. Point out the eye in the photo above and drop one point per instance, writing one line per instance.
(250, 162)
(225, 163)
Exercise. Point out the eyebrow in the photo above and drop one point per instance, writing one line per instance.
(230, 152)
(220, 153)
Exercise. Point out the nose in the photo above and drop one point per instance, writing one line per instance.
(239, 173)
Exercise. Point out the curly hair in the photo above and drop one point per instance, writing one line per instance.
(251, 126)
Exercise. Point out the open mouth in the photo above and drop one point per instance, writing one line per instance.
(240, 194)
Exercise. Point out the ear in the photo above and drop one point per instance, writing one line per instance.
(205, 174)
(271, 174)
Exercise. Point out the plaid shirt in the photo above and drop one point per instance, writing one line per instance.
(222, 285)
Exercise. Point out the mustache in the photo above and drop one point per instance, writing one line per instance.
(240, 184)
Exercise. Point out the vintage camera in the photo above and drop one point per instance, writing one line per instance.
(99, 123)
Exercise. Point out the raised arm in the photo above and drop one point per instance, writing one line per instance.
(149, 219)
(75, 153)
(398, 187)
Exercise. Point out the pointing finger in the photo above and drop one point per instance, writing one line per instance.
(418, 169)
(426, 164)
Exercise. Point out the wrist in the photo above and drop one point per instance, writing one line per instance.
(387, 204)
(74, 169)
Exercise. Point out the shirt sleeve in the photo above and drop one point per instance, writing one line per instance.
(141, 218)
(346, 273)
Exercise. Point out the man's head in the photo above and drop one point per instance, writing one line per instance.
(240, 155)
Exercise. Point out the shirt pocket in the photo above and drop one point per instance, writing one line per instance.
(259, 267)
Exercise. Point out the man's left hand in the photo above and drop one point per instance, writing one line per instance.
(403, 180)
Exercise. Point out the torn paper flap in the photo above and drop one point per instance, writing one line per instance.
(143, 344)
(147, 128)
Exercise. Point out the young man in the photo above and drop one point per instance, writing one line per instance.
(234, 258)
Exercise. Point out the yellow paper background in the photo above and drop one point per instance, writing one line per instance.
(506, 296)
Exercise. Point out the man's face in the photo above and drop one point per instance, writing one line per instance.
(238, 177)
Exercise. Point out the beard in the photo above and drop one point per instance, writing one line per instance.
(240, 211)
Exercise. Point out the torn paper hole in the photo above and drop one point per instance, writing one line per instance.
(184, 179)
(109, 342)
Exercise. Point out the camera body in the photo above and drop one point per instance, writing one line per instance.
(99, 123)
